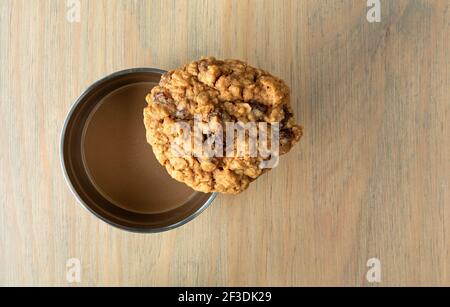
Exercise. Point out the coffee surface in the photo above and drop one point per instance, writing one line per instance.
(119, 160)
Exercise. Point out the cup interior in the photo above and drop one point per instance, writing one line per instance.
(91, 189)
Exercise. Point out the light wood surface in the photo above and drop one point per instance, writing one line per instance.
(371, 177)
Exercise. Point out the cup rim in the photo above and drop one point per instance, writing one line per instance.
(69, 182)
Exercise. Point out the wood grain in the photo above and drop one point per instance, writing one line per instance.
(371, 177)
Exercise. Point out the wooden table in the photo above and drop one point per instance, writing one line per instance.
(371, 177)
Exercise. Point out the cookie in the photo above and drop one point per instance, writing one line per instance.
(226, 106)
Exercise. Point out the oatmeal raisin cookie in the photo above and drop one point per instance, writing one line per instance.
(212, 92)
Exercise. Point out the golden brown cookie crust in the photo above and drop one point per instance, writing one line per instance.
(217, 92)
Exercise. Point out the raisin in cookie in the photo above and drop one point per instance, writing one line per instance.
(212, 93)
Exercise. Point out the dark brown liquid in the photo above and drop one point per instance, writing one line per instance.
(120, 161)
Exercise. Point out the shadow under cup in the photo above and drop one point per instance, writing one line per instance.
(111, 168)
